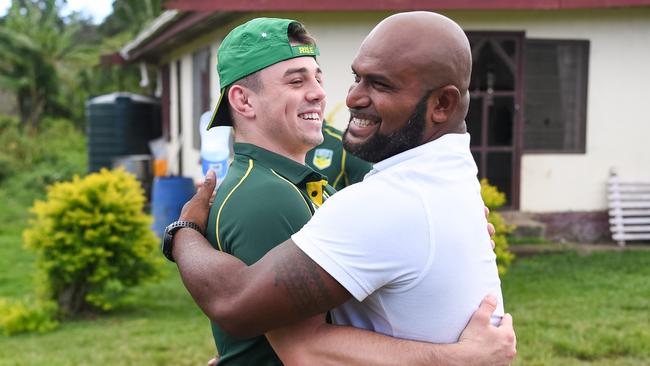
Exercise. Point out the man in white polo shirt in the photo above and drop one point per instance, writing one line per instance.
(422, 276)
(402, 253)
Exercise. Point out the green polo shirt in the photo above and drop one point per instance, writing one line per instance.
(264, 199)
(332, 161)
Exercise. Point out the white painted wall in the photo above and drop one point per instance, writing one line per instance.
(618, 125)
(190, 156)
(174, 142)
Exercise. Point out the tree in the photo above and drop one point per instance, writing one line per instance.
(51, 63)
(36, 43)
(130, 16)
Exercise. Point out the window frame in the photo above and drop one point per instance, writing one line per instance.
(582, 93)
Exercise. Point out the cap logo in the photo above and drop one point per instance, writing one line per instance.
(306, 50)
(263, 34)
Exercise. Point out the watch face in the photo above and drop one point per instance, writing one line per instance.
(167, 243)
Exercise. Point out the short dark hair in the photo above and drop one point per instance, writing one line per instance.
(299, 34)
(251, 81)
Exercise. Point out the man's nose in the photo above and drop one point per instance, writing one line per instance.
(357, 97)
(317, 93)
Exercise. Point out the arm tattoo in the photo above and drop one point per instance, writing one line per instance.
(301, 278)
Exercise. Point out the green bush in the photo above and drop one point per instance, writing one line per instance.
(92, 241)
(36, 158)
(27, 316)
(494, 199)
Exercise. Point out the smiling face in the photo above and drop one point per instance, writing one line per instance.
(289, 106)
(379, 146)
(387, 103)
(407, 92)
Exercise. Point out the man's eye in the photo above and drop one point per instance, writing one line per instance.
(380, 85)
(295, 81)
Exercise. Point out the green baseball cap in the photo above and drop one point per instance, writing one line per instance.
(251, 47)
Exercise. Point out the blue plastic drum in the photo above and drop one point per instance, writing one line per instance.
(168, 196)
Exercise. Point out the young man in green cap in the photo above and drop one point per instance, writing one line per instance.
(272, 95)
(271, 82)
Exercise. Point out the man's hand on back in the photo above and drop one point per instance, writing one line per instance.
(484, 344)
(490, 227)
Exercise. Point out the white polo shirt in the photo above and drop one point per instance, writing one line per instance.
(410, 244)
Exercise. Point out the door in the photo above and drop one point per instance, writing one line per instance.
(494, 117)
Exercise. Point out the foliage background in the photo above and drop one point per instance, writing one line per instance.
(493, 199)
(52, 64)
(93, 241)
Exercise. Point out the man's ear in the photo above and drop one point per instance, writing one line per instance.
(240, 99)
(442, 103)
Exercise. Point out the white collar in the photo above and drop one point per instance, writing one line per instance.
(449, 143)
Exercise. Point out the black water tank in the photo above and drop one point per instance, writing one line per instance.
(120, 124)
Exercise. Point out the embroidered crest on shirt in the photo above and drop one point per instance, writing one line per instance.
(323, 158)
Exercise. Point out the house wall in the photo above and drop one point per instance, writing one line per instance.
(617, 126)
(189, 158)
(190, 155)
(617, 123)
(174, 143)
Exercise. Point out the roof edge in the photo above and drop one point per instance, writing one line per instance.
(392, 5)
(158, 24)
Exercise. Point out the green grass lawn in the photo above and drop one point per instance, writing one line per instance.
(581, 310)
(158, 325)
(568, 309)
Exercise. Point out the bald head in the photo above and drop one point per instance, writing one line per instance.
(430, 42)
(412, 75)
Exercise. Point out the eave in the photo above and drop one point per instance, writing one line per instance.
(395, 5)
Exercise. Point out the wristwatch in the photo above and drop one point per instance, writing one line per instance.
(168, 236)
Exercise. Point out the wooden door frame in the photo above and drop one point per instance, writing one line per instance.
(518, 113)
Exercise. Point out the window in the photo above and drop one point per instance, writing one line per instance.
(201, 90)
(555, 95)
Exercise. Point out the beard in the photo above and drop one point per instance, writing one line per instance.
(382, 146)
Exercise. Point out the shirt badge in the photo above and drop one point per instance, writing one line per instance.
(323, 158)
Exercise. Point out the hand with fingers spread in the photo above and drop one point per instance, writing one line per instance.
(484, 343)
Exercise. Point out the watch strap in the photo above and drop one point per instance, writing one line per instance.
(168, 237)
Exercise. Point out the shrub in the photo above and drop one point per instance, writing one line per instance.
(36, 158)
(27, 316)
(494, 199)
(92, 241)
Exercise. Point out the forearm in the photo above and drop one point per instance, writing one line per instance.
(285, 286)
(210, 276)
(319, 343)
(352, 346)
